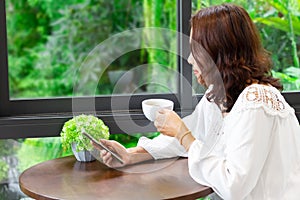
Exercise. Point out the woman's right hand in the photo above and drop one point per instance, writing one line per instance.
(116, 147)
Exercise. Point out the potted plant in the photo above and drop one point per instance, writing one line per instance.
(71, 135)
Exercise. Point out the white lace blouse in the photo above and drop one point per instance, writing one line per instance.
(252, 153)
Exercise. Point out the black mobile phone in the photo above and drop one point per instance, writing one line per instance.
(102, 146)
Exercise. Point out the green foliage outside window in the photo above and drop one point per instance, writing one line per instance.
(48, 40)
(278, 21)
(282, 24)
(3, 170)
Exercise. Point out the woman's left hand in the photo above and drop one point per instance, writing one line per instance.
(169, 123)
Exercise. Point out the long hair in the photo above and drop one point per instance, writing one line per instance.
(237, 59)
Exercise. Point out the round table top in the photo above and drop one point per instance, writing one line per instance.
(66, 178)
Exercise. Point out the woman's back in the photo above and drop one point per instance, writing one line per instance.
(282, 154)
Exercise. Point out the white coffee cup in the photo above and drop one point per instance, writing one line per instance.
(151, 106)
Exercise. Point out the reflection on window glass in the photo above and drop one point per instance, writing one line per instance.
(52, 44)
(18, 155)
(278, 23)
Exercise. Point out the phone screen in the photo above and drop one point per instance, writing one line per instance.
(102, 146)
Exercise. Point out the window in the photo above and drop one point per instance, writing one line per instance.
(98, 57)
(104, 57)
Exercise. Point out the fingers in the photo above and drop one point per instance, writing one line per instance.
(105, 142)
(161, 118)
(167, 122)
(107, 158)
(105, 155)
(100, 146)
(163, 111)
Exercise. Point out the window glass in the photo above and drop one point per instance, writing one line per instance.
(278, 23)
(18, 155)
(79, 47)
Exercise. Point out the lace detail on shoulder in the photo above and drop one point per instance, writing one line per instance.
(262, 96)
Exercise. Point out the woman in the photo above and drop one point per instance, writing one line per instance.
(243, 139)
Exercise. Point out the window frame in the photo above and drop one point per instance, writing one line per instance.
(293, 98)
(44, 117)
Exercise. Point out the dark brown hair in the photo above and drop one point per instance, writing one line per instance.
(227, 48)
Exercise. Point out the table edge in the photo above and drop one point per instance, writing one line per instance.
(191, 196)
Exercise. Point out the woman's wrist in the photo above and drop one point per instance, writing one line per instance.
(138, 154)
(181, 130)
(185, 139)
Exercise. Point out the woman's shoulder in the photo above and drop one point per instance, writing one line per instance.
(258, 96)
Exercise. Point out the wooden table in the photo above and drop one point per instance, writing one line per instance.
(66, 178)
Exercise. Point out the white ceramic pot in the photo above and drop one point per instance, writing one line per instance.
(82, 156)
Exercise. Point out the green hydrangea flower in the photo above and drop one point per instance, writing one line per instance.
(71, 131)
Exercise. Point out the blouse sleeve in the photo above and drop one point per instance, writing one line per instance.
(168, 147)
(247, 141)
